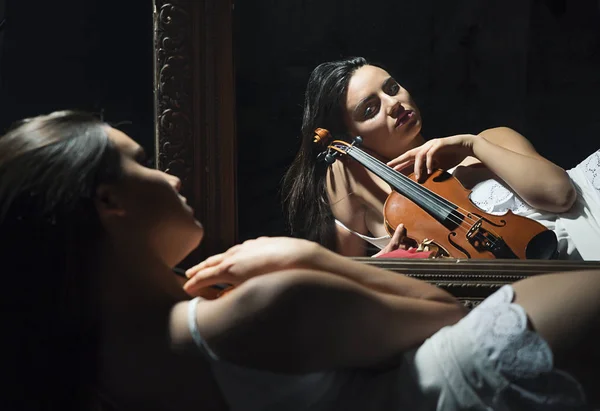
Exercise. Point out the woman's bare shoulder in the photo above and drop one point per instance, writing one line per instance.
(347, 177)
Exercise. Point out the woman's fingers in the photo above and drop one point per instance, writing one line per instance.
(211, 261)
(395, 241)
(430, 158)
(420, 162)
(207, 277)
(398, 236)
(404, 160)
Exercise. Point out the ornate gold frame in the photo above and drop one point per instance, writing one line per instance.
(195, 134)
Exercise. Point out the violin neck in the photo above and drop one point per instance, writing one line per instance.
(438, 207)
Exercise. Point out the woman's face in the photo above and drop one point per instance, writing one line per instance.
(150, 209)
(380, 111)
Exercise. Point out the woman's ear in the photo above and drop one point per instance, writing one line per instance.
(108, 203)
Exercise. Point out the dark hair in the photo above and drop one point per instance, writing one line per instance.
(304, 188)
(50, 167)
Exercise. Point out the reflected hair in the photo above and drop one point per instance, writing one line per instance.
(305, 201)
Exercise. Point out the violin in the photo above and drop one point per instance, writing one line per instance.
(439, 212)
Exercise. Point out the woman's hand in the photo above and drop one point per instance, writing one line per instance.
(396, 242)
(249, 259)
(443, 153)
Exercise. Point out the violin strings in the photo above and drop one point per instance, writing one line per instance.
(436, 202)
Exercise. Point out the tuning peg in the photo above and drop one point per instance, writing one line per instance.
(330, 158)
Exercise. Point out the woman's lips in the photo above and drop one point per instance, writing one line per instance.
(404, 118)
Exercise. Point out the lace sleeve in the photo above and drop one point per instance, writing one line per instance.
(495, 198)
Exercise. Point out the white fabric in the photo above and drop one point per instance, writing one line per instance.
(493, 197)
(379, 242)
(487, 361)
(583, 221)
(577, 230)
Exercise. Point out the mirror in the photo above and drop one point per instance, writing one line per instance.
(230, 131)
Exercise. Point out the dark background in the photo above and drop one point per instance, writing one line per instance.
(533, 65)
(79, 54)
(470, 65)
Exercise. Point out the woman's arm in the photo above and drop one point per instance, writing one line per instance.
(266, 255)
(541, 183)
(375, 278)
(302, 321)
(538, 181)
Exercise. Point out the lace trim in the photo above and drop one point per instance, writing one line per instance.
(522, 357)
(501, 329)
(591, 169)
(495, 198)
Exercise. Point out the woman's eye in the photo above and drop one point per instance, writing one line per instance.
(370, 111)
(394, 89)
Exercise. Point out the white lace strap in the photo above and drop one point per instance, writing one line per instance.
(379, 242)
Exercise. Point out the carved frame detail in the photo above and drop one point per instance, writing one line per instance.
(473, 280)
(195, 111)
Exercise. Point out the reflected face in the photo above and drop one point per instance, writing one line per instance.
(382, 112)
(155, 213)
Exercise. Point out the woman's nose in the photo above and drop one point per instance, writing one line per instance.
(392, 106)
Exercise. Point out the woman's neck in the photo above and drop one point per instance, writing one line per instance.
(415, 142)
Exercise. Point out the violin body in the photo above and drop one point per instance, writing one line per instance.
(521, 237)
(438, 212)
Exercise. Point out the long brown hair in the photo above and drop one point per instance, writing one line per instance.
(304, 187)
(50, 167)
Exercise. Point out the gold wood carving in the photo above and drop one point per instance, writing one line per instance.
(473, 280)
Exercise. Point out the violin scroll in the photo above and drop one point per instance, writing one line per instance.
(322, 135)
(336, 147)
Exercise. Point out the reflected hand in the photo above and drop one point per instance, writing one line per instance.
(252, 258)
(437, 153)
(396, 242)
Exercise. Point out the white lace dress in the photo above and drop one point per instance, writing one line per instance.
(487, 361)
(577, 231)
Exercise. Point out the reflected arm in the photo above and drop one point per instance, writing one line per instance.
(538, 181)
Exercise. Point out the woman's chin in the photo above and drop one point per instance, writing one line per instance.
(199, 234)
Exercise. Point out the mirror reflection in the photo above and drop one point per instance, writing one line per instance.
(521, 77)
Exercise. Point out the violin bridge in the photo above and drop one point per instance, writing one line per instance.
(481, 238)
(474, 229)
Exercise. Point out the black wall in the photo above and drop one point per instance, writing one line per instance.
(470, 65)
(79, 54)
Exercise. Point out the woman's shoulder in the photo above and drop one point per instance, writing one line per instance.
(347, 177)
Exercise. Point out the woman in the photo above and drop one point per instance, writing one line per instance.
(341, 206)
(102, 316)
